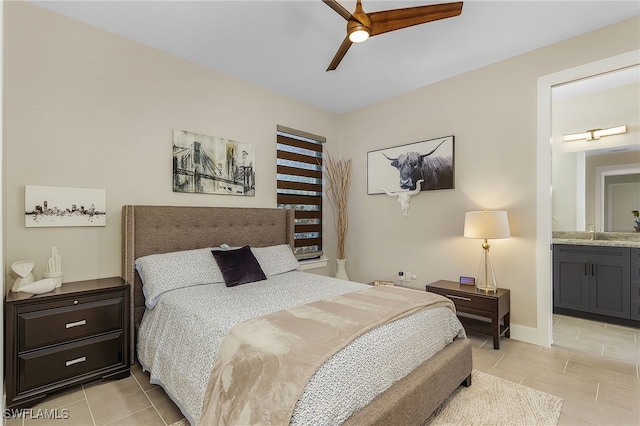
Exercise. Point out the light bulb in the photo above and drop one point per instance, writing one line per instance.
(358, 36)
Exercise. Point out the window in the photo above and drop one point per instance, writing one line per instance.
(299, 187)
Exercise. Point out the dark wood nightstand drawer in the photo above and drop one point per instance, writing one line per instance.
(47, 366)
(50, 326)
(466, 300)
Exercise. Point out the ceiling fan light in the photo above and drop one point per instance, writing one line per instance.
(358, 34)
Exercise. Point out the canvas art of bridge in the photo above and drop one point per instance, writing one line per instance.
(212, 165)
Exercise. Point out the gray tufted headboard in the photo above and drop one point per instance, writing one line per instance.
(163, 229)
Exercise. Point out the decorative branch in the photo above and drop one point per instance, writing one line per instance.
(338, 174)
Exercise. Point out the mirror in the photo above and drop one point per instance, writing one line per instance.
(596, 183)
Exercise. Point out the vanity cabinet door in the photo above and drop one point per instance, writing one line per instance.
(570, 279)
(609, 282)
(594, 279)
(635, 284)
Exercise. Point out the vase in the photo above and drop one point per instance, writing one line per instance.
(341, 272)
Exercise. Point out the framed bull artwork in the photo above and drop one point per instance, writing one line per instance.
(400, 168)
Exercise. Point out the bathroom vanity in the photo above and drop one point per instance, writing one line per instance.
(597, 279)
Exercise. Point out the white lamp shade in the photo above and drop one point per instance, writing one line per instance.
(486, 224)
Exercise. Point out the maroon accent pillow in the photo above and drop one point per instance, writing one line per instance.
(238, 266)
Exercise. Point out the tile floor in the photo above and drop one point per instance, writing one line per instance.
(128, 402)
(592, 366)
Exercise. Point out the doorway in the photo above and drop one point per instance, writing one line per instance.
(544, 305)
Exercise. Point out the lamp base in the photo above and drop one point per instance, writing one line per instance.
(486, 279)
(487, 289)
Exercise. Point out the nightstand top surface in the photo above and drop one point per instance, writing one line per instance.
(71, 287)
(472, 289)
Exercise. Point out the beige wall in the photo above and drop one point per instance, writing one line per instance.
(86, 108)
(89, 109)
(492, 113)
(2, 175)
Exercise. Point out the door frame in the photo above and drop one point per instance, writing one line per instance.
(544, 276)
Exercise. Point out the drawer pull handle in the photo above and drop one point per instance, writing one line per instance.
(76, 361)
(75, 324)
(458, 297)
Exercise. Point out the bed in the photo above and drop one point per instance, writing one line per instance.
(178, 345)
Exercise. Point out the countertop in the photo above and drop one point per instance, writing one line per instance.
(607, 239)
(606, 243)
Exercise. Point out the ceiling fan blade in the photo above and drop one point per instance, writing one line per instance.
(342, 50)
(333, 4)
(391, 20)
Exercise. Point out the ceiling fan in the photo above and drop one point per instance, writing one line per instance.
(361, 25)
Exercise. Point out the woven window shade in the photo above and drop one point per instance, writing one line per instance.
(299, 187)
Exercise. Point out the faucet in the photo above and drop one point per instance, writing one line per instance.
(592, 233)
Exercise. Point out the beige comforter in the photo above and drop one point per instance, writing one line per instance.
(263, 364)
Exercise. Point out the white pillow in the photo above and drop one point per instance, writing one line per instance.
(275, 260)
(168, 271)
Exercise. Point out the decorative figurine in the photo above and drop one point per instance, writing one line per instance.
(53, 269)
(22, 269)
(404, 197)
(40, 286)
(25, 281)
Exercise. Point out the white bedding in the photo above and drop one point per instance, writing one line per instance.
(178, 340)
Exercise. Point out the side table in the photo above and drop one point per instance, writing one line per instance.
(74, 334)
(468, 299)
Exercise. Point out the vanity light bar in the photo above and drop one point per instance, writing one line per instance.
(595, 134)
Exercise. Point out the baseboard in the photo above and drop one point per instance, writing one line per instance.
(529, 335)
(597, 317)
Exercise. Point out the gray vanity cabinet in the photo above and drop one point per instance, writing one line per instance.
(635, 283)
(570, 279)
(592, 279)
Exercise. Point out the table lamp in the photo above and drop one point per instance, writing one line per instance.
(486, 225)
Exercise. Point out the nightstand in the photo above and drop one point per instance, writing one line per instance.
(74, 334)
(492, 305)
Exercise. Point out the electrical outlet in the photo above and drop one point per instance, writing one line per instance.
(408, 277)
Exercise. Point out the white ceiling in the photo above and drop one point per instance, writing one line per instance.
(286, 46)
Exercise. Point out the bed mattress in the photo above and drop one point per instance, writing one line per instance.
(179, 337)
